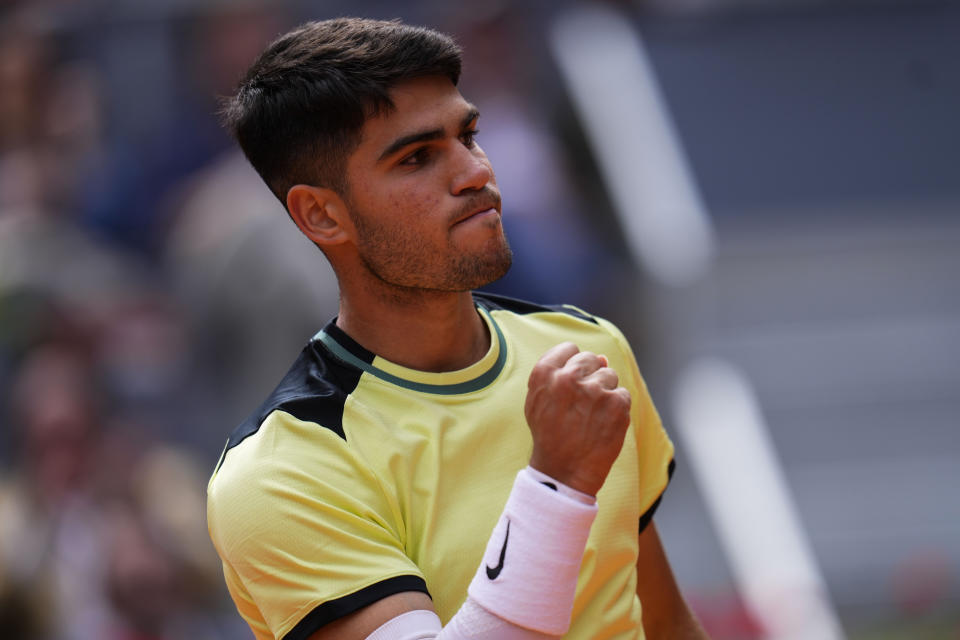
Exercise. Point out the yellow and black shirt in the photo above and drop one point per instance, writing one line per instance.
(359, 478)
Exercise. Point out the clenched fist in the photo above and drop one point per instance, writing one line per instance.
(578, 416)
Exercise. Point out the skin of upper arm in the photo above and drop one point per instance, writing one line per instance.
(360, 624)
(665, 612)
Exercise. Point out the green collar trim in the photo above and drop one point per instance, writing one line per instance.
(467, 386)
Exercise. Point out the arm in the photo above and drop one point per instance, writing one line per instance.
(578, 417)
(665, 613)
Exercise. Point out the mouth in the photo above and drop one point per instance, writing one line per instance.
(484, 210)
(477, 215)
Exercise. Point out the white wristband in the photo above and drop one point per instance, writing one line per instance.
(529, 571)
(471, 622)
(570, 492)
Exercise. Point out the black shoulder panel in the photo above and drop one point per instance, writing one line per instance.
(315, 389)
(573, 311)
(522, 307)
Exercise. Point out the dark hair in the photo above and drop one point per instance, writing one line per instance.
(299, 109)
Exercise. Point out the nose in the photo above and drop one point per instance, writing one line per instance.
(473, 171)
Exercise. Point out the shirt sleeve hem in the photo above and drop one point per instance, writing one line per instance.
(647, 515)
(331, 610)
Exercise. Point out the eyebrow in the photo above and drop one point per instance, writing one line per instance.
(424, 136)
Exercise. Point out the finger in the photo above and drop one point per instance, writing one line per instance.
(584, 363)
(558, 355)
(624, 395)
(606, 377)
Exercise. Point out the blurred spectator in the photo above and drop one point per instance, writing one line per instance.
(24, 56)
(256, 289)
(44, 254)
(102, 533)
(51, 547)
(100, 530)
(161, 578)
(125, 197)
(53, 275)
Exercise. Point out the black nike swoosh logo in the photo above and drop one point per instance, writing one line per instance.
(493, 572)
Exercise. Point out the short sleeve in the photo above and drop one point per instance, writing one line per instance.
(306, 534)
(654, 448)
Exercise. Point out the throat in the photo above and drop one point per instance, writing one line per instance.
(424, 337)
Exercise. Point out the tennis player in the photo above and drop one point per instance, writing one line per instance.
(437, 463)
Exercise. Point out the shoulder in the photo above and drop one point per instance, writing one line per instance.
(299, 425)
(289, 456)
(314, 389)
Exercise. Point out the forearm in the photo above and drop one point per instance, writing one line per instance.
(666, 615)
(682, 626)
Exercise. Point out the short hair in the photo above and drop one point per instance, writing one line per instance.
(299, 109)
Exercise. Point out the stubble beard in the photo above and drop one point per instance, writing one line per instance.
(399, 259)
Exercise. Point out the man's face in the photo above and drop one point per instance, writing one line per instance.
(422, 193)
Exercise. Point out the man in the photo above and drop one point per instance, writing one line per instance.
(436, 464)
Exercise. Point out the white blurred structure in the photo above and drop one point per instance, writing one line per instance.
(615, 93)
(749, 503)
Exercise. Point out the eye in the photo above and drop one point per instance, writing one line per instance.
(420, 156)
(469, 138)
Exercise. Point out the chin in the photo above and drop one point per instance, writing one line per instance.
(491, 270)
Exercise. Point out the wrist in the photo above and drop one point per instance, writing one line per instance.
(571, 478)
(562, 488)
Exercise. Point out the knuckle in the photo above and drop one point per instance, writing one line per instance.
(566, 377)
(617, 400)
(608, 377)
(593, 390)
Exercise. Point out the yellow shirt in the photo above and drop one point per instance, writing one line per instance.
(359, 478)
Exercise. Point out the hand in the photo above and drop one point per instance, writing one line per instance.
(578, 416)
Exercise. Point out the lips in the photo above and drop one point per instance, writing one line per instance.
(477, 208)
(491, 210)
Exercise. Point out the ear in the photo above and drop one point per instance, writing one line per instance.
(320, 213)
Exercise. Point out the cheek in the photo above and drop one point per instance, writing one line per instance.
(414, 205)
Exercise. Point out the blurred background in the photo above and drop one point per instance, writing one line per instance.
(763, 195)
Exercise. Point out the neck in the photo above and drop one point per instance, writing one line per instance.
(424, 330)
